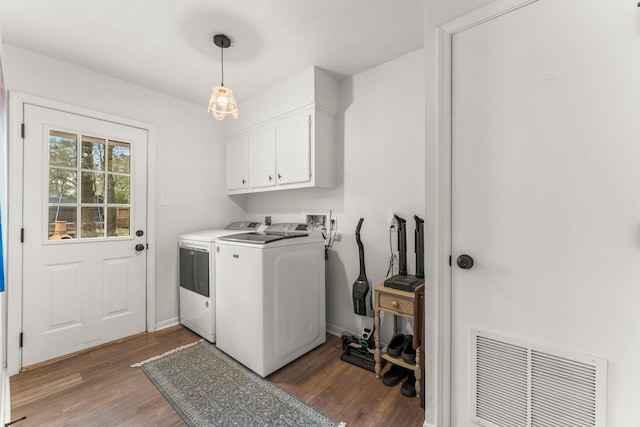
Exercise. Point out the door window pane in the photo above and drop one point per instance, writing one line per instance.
(62, 185)
(62, 148)
(119, 157)
(118, 189)
(92, 187)
(93, 153)
(62, 222)
(118, 221)
(92, 220)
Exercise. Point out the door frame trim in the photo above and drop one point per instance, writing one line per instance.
(15, 261)
(443, 305)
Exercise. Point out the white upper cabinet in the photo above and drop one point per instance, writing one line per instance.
(290, 142)
(237, 163)
(262, 158)
(293, 149)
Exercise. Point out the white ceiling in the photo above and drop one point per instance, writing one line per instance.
(167, 45)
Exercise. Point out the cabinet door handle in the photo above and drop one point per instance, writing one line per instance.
(395, 304)
(244, 181)
(270, 178)
(279, 176)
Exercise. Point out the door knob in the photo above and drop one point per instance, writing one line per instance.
(139, 247)
(465, 262)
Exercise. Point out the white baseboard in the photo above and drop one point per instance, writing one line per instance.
(337, 331)
(334, 330)
(167, 323)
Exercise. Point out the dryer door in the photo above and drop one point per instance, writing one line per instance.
(194, 270)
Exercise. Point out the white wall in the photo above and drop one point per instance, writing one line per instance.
(380, 172)
(189, 151)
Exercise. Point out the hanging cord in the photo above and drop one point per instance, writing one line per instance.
(392, 258)
(222, 64)
(332, 227)
(327, 247)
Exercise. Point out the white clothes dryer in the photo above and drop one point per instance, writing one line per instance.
(270, 292)
(197, 277)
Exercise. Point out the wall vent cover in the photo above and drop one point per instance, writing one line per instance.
(519, 384)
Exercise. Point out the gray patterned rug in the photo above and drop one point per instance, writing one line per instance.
(208, 388)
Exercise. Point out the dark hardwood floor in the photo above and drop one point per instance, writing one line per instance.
(99, 388)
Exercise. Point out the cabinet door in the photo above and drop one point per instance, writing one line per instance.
(262, 158)
(238, 163)
(293, 150)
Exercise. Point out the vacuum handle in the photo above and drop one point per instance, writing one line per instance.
(363, 273)
(402, 246)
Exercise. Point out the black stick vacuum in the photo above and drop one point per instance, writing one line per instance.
(356, 351)
(361, 285)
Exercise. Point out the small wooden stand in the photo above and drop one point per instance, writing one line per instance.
(399, 303)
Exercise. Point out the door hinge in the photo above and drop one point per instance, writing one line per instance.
(22, 235)
(449, 260)
(309, 120)
(21, 339)
(22, 130)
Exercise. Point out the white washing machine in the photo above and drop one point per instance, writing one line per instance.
(197, 277)
(270, 292)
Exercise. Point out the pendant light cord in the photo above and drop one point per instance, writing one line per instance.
(222, 63)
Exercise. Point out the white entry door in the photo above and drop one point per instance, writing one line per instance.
(545, 199)
(85, 190)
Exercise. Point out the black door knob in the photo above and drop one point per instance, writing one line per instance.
(139, 233)
(139, 247)
(465, 262)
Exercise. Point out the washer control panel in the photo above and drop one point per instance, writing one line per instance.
(289, 228)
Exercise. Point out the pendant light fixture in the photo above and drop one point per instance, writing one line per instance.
(222, 101)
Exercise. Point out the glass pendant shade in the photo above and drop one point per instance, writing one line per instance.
(222, 103)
